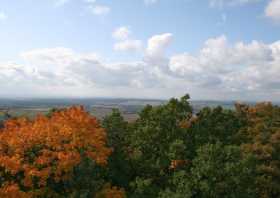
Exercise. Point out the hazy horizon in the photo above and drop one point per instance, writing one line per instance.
(104, 99)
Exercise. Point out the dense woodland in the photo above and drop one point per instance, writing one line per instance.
(168, 152)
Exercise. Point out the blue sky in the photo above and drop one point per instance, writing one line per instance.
(212, 49)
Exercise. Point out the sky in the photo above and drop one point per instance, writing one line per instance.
(211, 49)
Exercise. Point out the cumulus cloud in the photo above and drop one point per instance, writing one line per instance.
(273, 10)
(67, 72)
(128, 45)
(121, 33)
(65, 66)
(125, 43)
(218, 68)
(251, 67)
(158, 44)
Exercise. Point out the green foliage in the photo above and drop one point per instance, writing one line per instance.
(217, 153)
(116, 128)
(217, 171)
(119, 168)
(216, 125)
(223, 172)
(154, 140)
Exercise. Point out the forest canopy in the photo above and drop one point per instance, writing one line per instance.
(169, 151)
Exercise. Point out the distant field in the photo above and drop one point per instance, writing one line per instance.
(99, 112)
(98, 107)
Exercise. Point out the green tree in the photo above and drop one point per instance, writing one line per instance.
(157, 138)
(215, 125)
(119, 165)
(217, 171)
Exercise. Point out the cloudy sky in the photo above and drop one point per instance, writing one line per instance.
(211, 49)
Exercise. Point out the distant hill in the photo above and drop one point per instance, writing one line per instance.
(99, 107)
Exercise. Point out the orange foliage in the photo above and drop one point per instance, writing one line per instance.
(12, 191)
(111, 192)
(177, 164)
(187, 123)
(261, 130)
(262, 138)
(49, 148)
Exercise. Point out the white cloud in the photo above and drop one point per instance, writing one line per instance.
(250, 67)
(63, 66)
(157, 45)
(100, 9)
(273, 10)
(3, 16)
(185, 65)
(222, 3)
(64, 72)
(121, 33)
(125, 43)
(128, 45)
(220, 70)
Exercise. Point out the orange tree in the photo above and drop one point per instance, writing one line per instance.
(57, 156)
